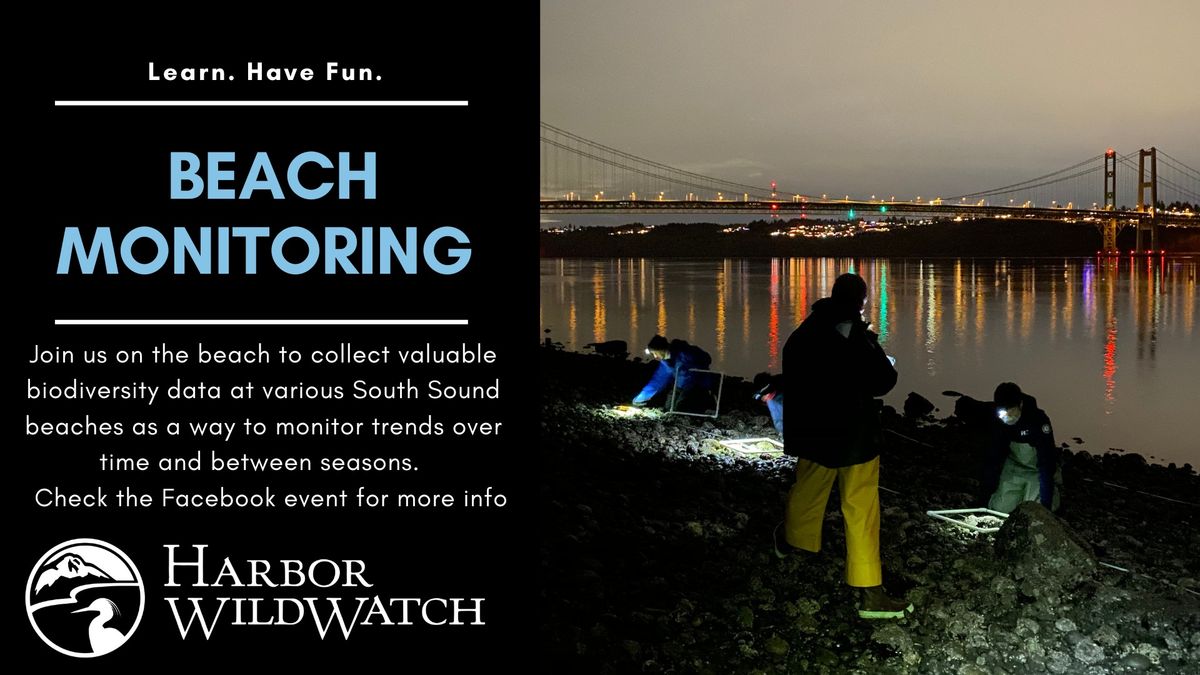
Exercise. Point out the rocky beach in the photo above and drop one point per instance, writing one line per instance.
(656, 549)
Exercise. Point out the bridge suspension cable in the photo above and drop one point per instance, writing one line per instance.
(561, 139)
(630, 167)
(1177, 182)
(1183, 168)
(1040, 181)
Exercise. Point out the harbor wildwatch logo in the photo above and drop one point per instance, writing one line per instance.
(85, 598)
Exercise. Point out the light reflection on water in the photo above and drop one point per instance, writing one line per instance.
(1109, 348)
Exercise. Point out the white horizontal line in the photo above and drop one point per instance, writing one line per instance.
(260, 322)
(271, 104)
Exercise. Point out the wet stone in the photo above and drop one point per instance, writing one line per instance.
(1089, 652)
(1027, 627)
(1041, 549)
(1058, 662)
(808, 606)
(777, 645)
(893, 636)
(1033, 647)
(1136, 662)
(1065, 625)
(916, 406)
(1106, 636)
(1149, 651)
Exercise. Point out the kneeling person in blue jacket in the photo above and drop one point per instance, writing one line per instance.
(1023, 464)
(676, 362)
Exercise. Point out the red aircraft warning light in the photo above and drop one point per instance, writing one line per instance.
(1110, 152)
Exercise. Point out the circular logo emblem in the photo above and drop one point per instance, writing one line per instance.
(85, 598)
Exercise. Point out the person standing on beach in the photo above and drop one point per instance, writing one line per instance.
(837, 369)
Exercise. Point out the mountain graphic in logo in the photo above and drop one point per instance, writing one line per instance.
(59, 577)
(84, 598)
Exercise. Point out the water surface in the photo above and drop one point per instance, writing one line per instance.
(1110, 348)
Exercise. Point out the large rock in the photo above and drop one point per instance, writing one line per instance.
(1043, 551)
(917, 406)
(615, 348)
(975, 413)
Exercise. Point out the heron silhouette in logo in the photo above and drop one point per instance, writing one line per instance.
(103, 640)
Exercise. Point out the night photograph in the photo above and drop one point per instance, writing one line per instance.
(961, 241)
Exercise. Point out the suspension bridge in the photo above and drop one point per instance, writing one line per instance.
(1144, 189)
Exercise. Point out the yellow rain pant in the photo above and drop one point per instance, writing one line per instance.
(858, 486)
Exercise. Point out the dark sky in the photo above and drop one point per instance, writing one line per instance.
(906, 98)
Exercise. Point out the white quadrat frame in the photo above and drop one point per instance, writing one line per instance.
(743, 445)
(947, 513)
(675, 389)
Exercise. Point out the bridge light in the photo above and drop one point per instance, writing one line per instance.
(883, 209)
(1110, 152)
(851, 214)
(774, 207)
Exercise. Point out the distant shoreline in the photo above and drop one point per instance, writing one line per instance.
(985, 238)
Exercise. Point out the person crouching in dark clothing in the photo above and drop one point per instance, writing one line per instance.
(837, 369)
(676, 362)
(769, 390)
(1023, 463)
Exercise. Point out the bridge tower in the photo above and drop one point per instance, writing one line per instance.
(1147, 224)
(1110, 229)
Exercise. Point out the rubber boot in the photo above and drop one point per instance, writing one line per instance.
(875, 603)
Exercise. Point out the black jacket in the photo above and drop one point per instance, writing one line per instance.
(832, 416)
(1033, 428)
